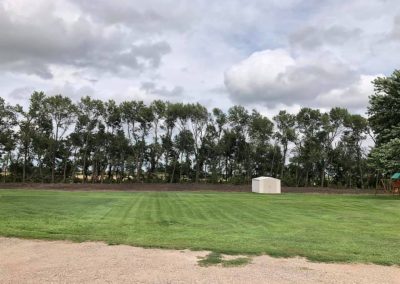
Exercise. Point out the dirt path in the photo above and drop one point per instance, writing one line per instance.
(33, 261)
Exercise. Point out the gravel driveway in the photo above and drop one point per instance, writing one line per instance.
(34, 261)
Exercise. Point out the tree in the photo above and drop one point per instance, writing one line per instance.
(238, 118)
(384, 107)
(198, 117)
(138, 118)
(260, 133)
(8, 120)
(54, 139)
(286, 133)
(35, 128)
(384, 120)
(88, 120)
(386, 159)
(158, 108)
(357, 127)
(309, 148)
(62, 113)
(333, 124)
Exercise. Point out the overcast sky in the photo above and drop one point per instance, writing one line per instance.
(268, 54)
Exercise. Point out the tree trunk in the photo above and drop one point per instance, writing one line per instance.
(273, 162)
(65, 172)
(53, 168)
(323, 173)
(84, 166)
(283, 160)
(173, 172)
(74, 166)
(6, 167)
(197, 169)
(24, 165)
(307, 173)
(180, 167)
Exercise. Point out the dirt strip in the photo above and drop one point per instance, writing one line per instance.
(34, 261)
(174, 187)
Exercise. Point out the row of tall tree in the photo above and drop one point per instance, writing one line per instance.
(57, 140)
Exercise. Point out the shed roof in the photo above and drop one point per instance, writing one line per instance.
(261, 178)
(396, 176)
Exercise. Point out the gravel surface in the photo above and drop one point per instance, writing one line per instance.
(34, 261)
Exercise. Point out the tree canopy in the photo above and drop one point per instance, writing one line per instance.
(58, 140)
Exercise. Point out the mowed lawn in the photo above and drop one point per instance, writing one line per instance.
(345, 228)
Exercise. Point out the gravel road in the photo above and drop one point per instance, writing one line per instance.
(35, 261)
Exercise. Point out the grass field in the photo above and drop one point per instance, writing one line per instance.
(345, 228)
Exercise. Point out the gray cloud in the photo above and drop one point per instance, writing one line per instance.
(153, 89)
(149, 16)
(274, 77)
(32, 46)
(313, 37)
(395, 34)
(21, 93)
(274, 52)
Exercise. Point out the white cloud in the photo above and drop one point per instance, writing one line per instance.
(35, 40)
(269, 53)
(354, 96)
(274, 76)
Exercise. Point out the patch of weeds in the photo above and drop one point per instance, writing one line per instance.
(212, 258)
(215, 258)
(113, 243)
(236, 262)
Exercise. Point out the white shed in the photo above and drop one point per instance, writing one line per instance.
(266, 185)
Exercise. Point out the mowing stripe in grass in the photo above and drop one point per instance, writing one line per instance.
(320, 227)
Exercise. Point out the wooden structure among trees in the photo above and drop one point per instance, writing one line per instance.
(396, 183)
(391, 185)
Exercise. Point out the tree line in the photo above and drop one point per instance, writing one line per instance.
(92, 141)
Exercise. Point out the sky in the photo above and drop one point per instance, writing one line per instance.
(268, 54)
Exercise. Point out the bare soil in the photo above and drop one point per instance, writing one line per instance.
(34, 261)
(174, 187)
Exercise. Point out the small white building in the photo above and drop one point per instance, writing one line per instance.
(266, 185)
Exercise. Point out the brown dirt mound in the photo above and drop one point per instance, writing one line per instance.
(174, 187)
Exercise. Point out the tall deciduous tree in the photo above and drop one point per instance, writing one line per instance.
(62, 113)
(384, 108)
(8, 121)
(286, 133)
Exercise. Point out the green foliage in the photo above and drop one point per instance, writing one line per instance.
(239, 261)
(386, 158)
(384, 119)
(215, 258)
(212, 258)
(384, 108)
(320, 227)
(57, 140)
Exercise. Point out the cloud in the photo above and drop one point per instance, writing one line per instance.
(311, 38)
(144, 16)
(71, 91)
(35, 42)
(152, 89)
(355, 96)
(267, 54)
(22, 93)
(395, 34)
(274, 76)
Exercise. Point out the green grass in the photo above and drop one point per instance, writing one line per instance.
(340, 228)
(215, 258)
